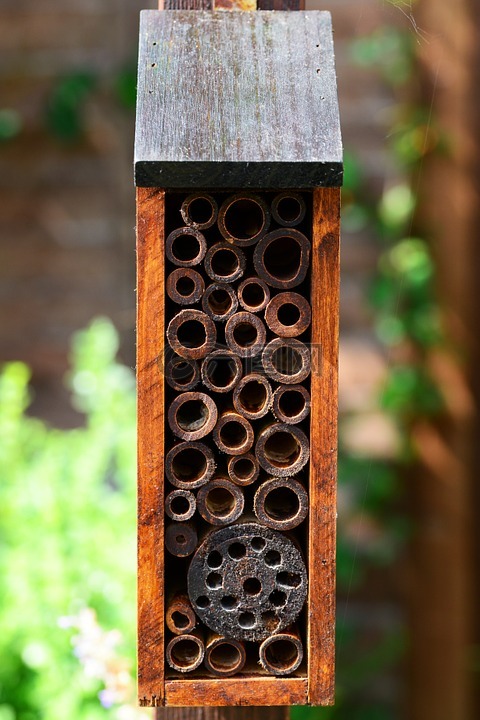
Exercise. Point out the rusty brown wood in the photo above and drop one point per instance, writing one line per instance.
(150, 391)
(323, 465)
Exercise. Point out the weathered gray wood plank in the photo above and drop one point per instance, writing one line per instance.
(231, 100)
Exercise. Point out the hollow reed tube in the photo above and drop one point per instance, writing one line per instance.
(179, 616)
(286, 360)
(192, 415)
(180, 505)
(185, 286)
(191, 334)
(189, 465)
(224, 657)
(185, 247)
(243, 219)
(221, 371)
(252, 396)
(281, 503)
(220, 502)
(282, 258)
(182, 374)
(181, 539)
(282, 450)
(224, 262)
(199, 210)
(288, 209)
(282, 653)
(291, 403)
(219, 301)
(243, 469)
(253, 294)
(185, 653)
(288, 314)
(245, 334)
(233, 434)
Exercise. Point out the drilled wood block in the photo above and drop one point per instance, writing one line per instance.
(233, 100)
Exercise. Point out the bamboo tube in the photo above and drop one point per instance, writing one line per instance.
(189, 465)
(192, 334)
(282, 257)
(281, 503)
(186, 652)
(233, 434)
(286, 360)
(192, 415)
(185, 286)
(252, 396)
(291, 403)
(182, 374)
(243, 469)
(224, 657)
(220, 502)
(221, 371)
(224, 262)
(288, 314)
(179, 616)
(282, 654)
(185, 247)
(219, 301)
(253, 294)
(181, 539)
(199, 210)
(243, 219)
(282, 450)
(180, 505)
(245, 334)
(288, 209)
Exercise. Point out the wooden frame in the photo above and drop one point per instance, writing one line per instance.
(318, 687)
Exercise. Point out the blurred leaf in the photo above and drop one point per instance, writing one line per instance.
(64, 109)
(126, 86)
(10, 124)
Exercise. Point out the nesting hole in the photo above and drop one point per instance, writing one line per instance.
(253, 396)
(219, 301)
(282, 449)
(214, 559)
(180, 620)
(289, 579)
(287, 360)
(278, 598)
(182, 372)
(282, 258)
(224, 263)
(189, 465)
(291, 403)
(289, 209)
(281, 503)
(288, 314)
(244, 219)
(245, 334)
(273, 558)
(252, 586)
(244, 468)
(214, 581)
(237, 551)
(221, 371)
(258, 543)
(185, 652)
(225, 657)
(246, 620)
(281, 654)
(253, 295)
(270, 620)
(180, 505)
(203, 602)
(185, 286)
(233, 434)
(229, 602)
(191, 334)
(192, 415)
(200, 211)
(220, 502)
(185, 248)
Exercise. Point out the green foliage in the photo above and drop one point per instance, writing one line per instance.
(10, 127)
(67, 531)
(64, 114)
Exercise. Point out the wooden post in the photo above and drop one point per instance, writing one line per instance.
(281, 591)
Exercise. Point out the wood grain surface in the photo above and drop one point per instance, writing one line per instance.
(252, 691)
(323, 463)
(223, 713)
(234, 99)
(150, 394)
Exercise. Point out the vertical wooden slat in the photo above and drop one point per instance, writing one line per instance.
(323, 473)
(150, 394)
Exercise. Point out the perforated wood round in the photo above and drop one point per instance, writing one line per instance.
(247, 581)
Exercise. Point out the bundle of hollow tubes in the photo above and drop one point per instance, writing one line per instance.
(237, 372)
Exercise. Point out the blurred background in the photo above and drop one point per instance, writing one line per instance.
(408, 594)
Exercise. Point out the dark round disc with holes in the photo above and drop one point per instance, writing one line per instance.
(246, 581)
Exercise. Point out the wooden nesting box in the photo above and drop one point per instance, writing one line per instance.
(238, 163)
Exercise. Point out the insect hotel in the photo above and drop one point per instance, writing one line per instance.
(238, 163)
